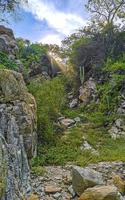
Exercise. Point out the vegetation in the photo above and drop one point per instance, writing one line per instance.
(50, 98)
(67, 149)
(5, 62)
(30, 52)
(9, 7)
(95, 51)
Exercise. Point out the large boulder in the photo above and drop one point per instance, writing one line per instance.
(7, 42)
(101, 193)
(18, 139)
(83, 178)
(87, 92)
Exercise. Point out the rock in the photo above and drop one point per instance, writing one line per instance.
(77, 119)
(88, 91)
(119, 123)
(33, 197)
(71, 191)
(119, 183)
(86, 146)
(57, 195)
(3, 166)
(83, 178)
(73, 103)
(70, 95)
(114, 132)
(18, 139)
(67, 122)
(7, 42)
(52, 189)
(101, 193)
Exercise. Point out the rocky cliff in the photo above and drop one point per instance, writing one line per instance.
(17, 135)
(8, 42)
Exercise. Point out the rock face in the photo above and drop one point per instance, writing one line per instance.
(101, 193)
(17, 135)
(83, 178)
(65, 123)
(88, 91)
(8, 42)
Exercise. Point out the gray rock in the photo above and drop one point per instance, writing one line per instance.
(119, 122)
(83, 178)
(17, 135)
(71, 191)
(57, 195)
(88, 91)
(7, 42)
(67, 122)
(73, 103)
(77, 119)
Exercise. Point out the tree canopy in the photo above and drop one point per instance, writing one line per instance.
(9, 5)
(106, 11)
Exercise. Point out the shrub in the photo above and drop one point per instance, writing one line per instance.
(50, 98)
(5, 62)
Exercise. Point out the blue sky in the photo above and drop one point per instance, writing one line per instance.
(49, 21)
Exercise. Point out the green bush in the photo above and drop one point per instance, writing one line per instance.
(50, 98)
(38, 171)
(5, 62)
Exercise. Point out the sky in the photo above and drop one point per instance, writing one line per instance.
(49, 21)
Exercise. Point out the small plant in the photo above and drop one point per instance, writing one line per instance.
(82, 75)
(50, 98)
(5, 62)
(38, 171)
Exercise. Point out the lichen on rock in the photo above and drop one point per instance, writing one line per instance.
(18, 139)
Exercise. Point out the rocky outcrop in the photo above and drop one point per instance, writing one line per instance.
(8, 42)
(101, 193)
(83, 178)
(87, 92)
(17, 135)
(117, 129)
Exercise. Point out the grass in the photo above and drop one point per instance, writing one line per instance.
(38, 171)
(99, 115)
(50, 98)
(67, 149)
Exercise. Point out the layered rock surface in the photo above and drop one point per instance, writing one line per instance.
(17, 135)
(8, 42)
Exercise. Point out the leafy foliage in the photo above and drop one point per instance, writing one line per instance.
(29, 52)
(106, 12)
(50, 98)
(5, 62)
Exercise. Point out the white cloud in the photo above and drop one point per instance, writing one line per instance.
(63, 23)
(52, 39)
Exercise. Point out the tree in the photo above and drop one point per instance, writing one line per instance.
(9, 5)
(106, 12)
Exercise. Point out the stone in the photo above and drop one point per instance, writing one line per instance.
(18, 138)
(86, 146)
(83, 178)
(77, 119)
(8, 42)
(114, 132)
(73, 103)
(33, 197)
(119, 183)
(67, 122)
(100, 193)
(52, 189)
(71, 191)
(119, 122)
(88, 91)
(57, 195)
